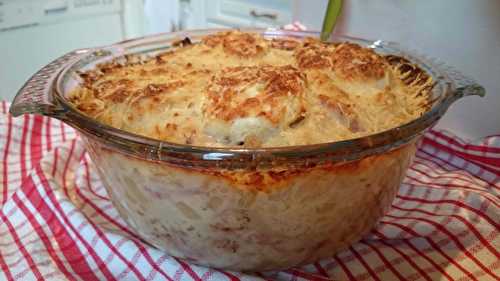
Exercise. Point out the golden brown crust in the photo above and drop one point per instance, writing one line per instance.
(351, 61)
(348, 60)
(245, 45)
(227, 100)
(154, 91)
(285, 44)
(314, 54)
(236, 88)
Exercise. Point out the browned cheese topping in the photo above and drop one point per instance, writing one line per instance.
(241, 89)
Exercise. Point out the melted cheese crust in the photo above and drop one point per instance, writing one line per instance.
(240, 89)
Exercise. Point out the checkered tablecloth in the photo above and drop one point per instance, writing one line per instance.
(57, 223)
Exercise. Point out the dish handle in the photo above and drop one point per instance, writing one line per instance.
(463, 84)
(36, 94)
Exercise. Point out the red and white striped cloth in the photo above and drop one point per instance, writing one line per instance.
(56, 222)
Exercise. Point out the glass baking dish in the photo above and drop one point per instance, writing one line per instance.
(239, 208)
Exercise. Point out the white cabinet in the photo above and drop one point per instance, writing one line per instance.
(34, 32)
(238, 13)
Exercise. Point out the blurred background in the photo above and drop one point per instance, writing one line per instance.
(464, 33)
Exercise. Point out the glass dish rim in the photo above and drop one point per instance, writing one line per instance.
(344, 150)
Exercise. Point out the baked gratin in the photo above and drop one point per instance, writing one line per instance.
(241, 89)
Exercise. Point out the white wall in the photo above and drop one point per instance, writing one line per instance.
(463, 33)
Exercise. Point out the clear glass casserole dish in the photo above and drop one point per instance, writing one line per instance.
(240, 208)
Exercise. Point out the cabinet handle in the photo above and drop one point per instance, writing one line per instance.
(270, 16)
